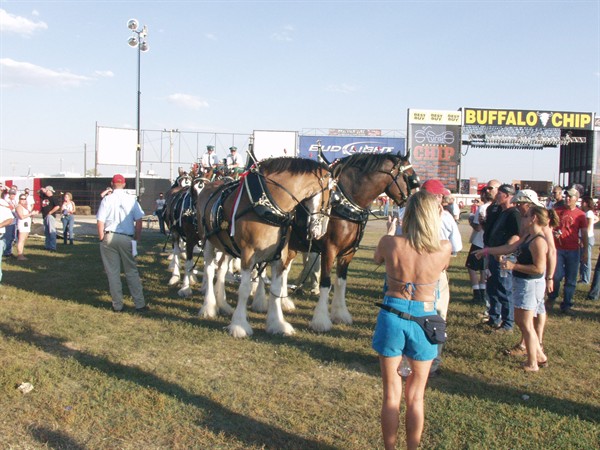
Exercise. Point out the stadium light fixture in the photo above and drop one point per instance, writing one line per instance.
(139, 40)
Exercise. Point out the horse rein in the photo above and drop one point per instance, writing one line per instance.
(408, 179)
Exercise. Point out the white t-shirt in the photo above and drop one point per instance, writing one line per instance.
(477, 236)
(5, 213)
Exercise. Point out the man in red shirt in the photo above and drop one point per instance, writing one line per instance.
(566, 239)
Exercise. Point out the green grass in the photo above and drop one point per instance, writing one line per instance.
(171, 380)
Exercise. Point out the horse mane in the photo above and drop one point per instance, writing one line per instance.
(293, 164)
(365, 162)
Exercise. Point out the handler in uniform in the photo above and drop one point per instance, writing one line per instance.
(119, 221)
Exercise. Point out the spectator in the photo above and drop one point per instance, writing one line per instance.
(6, 218)
(556, 200)
(448, 231)
(119, 222)
(68, 217)
(502, 230)
(587, 206)
(50, 205)
(572, 225)
(30, 199)
(476, 267)
(413, 264)
(311, 272)
(24, 215)
(11, 229)
(159, 211)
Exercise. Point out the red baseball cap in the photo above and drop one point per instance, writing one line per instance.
(118, 178)
(434, 186)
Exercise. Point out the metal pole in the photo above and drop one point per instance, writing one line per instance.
(138, 153)
(171, 156)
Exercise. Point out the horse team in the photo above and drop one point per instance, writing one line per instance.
(279, 207)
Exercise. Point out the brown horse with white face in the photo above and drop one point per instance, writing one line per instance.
(250, 219)
(360, 178)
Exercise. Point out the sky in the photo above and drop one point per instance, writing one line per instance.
(238, 66)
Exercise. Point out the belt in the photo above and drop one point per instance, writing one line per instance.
(116, 232)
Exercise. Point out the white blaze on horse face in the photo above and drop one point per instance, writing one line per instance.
(318, 218)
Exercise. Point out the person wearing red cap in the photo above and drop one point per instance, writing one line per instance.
(119, 222)
(449, 231)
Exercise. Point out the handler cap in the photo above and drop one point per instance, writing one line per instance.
(118, 179)
(526, 196)
(434, 186)
(210, 148)
(50, 188)
(233, 149)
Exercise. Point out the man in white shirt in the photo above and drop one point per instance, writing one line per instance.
(119, 222)
(209, 159)
(450, 232)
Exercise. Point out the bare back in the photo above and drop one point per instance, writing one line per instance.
(404, 265)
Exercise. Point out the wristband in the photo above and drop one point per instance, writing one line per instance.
(486, 251)
(549, 279)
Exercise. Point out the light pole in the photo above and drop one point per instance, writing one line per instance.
(140, 42)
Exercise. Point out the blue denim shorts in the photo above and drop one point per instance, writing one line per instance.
(528, 294)
(395, 336)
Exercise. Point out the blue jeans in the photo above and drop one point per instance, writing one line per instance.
(9, 238)
(585, 270)
(567, 267)
(499, 291)
(68, 224)
(50, 232)
(1, 251)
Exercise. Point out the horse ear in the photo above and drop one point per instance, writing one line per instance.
(407, 156)
(181, 172)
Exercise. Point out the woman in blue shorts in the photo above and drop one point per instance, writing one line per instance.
(413, 264)
(528, 284)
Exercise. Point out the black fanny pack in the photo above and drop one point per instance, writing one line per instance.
(433, 326)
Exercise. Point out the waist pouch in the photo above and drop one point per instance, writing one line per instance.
(433, 326)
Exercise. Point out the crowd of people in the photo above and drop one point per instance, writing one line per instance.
(520, 252)
(20, 205)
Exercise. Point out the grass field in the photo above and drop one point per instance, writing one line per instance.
(168, 379)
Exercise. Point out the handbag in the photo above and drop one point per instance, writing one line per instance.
(433, 326)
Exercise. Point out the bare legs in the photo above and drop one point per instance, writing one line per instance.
(392, 395)
(535, 355)
(21, 244)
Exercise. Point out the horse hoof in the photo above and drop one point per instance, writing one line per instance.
(321, 325)
(226, 309)
(173, 281)
(185, 292)
(207, 312)
(239, 332)
(342, 318)
(285, 328)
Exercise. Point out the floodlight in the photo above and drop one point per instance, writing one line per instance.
(144, 46)
(132, 41)
(132, 24)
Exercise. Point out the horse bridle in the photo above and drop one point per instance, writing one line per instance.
(411, 181)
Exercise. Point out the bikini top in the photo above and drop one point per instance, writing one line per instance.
(410, 288)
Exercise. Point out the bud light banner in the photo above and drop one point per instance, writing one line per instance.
(335, 147)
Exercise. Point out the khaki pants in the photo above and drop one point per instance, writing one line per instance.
(114, 250)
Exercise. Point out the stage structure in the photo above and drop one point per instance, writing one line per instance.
(536, 130)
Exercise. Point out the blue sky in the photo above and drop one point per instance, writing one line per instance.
(238, 66)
